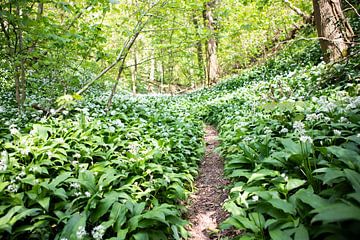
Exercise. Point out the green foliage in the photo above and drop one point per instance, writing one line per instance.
(99, 175)
(289, 133)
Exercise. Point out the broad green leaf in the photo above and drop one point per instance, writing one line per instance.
(118, 215)
(44, 202)
(261, 174)
(294, 183)
(349, 157)
(141, 236)
(74, 224)
(283, 205)
(354, 178)
(301, 233)
(24, 213)
(309, 197)
(277, 234)
(336, 212)
(4, 221)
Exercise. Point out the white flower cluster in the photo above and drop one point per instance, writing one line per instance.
(267, 131)
(284, 130)
(314, 116)
(81, 232)
(75, 185)
(286, 178)
(98, 232)
(118, 123)
(248, 139)
(325, 105)
(13, 130)
(255, 198)
(133, 148)
(344, 120)
(299, 127)
(12, 188)
(3, 161)
(305, 139)
(337, 132)
(353, 103)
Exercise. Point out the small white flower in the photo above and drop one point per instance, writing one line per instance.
(50, 154)
(284, 130)
(358, 135)
(327, 119)
(77, 155)
(65, 112)
(268, 131)
(25, 151)
(12, 188)
(304, 139)
(75, 185)
(14, 131)
(344, 120)
(337, 132)
(88, 194)
(255, 198)
(98, 232)
(247, 139)
(81, 232)
(299, 127)
(77, 194)
(111, 129)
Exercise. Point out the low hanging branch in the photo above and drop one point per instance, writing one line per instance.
(307, 18)
(120, 58)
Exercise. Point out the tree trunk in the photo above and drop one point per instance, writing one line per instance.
(199, 51)
(212, 62)
(334, 31)
(134, 74)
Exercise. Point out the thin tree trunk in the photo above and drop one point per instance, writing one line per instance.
(212, 61)
(134, 74)
(152, 66)
(334, 31)
(199, 51)
(162, 76)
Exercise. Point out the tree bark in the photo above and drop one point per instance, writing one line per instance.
(334, 31)
(212, 61)
(199, 51)
(134, 74)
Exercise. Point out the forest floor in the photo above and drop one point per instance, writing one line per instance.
(205, 211)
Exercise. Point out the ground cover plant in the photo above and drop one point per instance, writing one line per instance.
(291, 146)
(96, 175)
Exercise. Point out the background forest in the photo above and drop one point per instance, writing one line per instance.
(58, 46)
(103, 105)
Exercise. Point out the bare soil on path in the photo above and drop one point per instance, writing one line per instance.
(205, 211)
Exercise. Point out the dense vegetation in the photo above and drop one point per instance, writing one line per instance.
(290, 138)
(288, 123)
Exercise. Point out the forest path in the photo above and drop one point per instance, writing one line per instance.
(205, 210)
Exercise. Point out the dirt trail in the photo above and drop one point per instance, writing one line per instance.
(205, 211)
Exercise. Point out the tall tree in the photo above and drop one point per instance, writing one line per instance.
(212, 61)
(333, 29)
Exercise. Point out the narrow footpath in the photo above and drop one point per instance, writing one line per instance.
(205, 210)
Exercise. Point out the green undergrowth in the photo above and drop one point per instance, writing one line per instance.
(289, 132)
(91, 174)
(290, 137)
